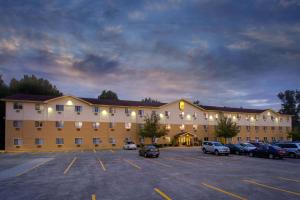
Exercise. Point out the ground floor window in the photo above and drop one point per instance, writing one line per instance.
(265, 139)
(78, 140)
(112, 141)
(17, 124)
(96, 141)
(39, 141)
(239, 139)
(248, 139)
(59, 140)
(18, 141)
(205, 138)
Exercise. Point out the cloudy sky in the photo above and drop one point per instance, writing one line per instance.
(222, 52)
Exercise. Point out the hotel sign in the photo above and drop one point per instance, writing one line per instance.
(181, 105)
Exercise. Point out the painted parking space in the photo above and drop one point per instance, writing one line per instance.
(176, 174)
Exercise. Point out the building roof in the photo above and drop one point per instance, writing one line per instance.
(230, 109)
(42, 98)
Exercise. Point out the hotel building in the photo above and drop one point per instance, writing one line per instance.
(43, 123)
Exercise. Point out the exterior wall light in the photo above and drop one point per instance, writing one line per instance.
(104, 112)
(69, 103)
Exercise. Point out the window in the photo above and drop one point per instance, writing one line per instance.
(59, 141)
(18, 141)
(78, 141)
(153, 112)
(127, 111)
(59, 124)
(264, 117)
(205, 138)
(273, 128)
(273, 139)
(238, 116)
(257, 139)
(128, 125)
(265, 128)
(195, 126)
(112, 110)
(256, 128)
(96, 109)
(239, 139)
(287, 129)
(96, 125)
(205, 115)
(78, 124)
(195, 116)
(112, 141)
(111, 124)
(248, 139)
(39, 107)
(168, 126)
(205, 128)
(181, 115)
(78, 109)
(248, 128)
(38, 124)
(17, 124)
(39, 141)
(141, 113)
(141, 126)
(272, 118)
(167, 114)
(280, 128)
(181, 127)
(59, 108)
(18, 106)
(265, 139)
(96, 141)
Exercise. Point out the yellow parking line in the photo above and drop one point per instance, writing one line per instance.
(102, 165)
(36, 166)
(166, 197)
(93, 197)
(271, 187)
(287, 179)
(223, 191)
(132, 164)
(70, 165)
(160, 163)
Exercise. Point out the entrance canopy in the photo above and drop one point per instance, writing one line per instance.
(182, 134)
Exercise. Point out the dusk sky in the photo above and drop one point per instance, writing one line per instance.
(224, 53)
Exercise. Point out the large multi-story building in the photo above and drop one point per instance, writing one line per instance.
(43, 123)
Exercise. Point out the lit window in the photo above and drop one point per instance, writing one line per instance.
(217, 116)
(59, 141)
(96, 141)
(195, 126)
(112, 140)
(78, 141)
(78, 124)
(168, 126)
(78, 109)
(39, 141)
(38, 124)
(248, 128)
(18, 141)
(39, 107)
(96, 125)
(18, 106)
(181, 127)
(128, 125)
(59, 124)
(17, 124)
(59, 108)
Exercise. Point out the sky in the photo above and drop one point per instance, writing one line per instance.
(221, 52)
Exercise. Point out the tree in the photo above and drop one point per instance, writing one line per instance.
(291, 105)
(226, 128)
(108, 95)
(197, 103)
(295, 134)
(150, 100)
(4, 91)
(33, 85)
(152, 128)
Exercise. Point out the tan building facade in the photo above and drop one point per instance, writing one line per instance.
(43, 123)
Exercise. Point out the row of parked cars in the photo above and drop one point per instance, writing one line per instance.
(254, 149)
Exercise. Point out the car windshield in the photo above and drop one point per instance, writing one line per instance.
(276, 147)
(238, 145)
(217, 144)
(247, 145)
(150, 147)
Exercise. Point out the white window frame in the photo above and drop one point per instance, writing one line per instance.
(96, 125)
(128, 125)
(59, 108)
(17, 124)
(96, 109)
(17, 106)
(78, 141)
(39, 141)
(38, 124)
(78, 109)
(141, 113)
(59, 124)
(78, 124)
(97, 141)
(59, 141)
(19, 141)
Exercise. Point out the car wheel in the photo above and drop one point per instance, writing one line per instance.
(204, 150)
(292, 155)
(271, 156)
(237, 152)
(251, 154)
(145, 155)
(216, 152)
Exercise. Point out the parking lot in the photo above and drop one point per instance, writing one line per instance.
(179, 173)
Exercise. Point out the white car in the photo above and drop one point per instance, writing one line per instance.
(215, 147)
(130, 146)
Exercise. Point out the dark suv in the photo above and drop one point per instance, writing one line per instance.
(292, 149)
(149, 151)
(268, 151)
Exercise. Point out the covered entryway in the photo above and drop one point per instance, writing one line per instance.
(185, 139)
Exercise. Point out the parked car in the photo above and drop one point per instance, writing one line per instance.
(149, 151)
(129, 146)
(257, 144)
(215, 147)
(236, 149)
(292, 149)
(248, 147)
(268, 151)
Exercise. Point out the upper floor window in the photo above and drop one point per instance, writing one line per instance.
(195, 126)
(38, 124)
(167, 114)
(265, 128)
(111, 124)
(264, 117)
(141, 113)
(17, 124)
(168, 126)
(273, 128)
(153, 112)
(128, 125)
(78, 124)
(112, 111)
(141, 126)
(248, 128)
(256, 128)
(96, 125)
(96, 109)
(39, 107)
(59, 108)
(18, 106)
(205, 115)
(59, 141)
(127, 111)
(78, 109)
(18, 141)
(59, 124)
